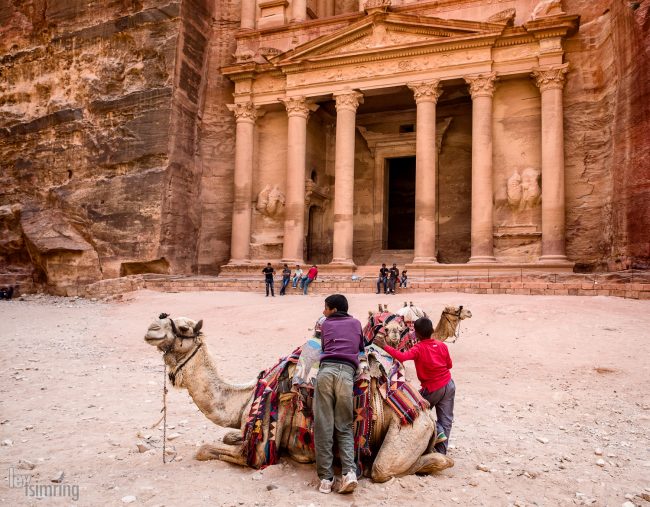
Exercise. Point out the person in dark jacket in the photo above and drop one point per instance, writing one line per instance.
(268, 278)
(342, 340)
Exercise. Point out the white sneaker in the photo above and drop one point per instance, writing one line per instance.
(348, 482)
(326, 485)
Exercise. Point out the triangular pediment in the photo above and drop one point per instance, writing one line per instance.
(387, 31)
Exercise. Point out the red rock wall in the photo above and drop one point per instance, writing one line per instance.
(216, 131)
(85, 108)
(607, 120)
(181, 193)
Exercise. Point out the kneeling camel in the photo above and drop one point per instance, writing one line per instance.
(396, 450)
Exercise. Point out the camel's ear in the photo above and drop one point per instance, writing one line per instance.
(369, 313)
(198, 326)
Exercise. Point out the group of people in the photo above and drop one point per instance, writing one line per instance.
(298, 277)
(390, 277)
(341, 343)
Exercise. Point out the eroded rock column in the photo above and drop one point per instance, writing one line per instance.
(245, 116)
(248, 14)
(551, 84)
(481, 88)
(294, 222)
(426, 97)
(346, 113)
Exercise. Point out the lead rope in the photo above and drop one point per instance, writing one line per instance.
(164, 411)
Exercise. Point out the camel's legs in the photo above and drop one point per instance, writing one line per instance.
(430, 463)
(402, 448)
(233, 437)
(221, 451)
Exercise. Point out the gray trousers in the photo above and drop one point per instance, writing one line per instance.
(333, 414)
(443, 400)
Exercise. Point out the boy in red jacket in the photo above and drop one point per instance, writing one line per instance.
(432, 365)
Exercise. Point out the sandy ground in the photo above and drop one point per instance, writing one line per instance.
(544, 386)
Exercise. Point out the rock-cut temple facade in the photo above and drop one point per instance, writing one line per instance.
(207, 137)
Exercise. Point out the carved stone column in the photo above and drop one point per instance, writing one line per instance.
(298, 10)
(346, 112)
(551, 84)
(481, 88)
(426, 97)
(248, 14)
(245, 116)
(294, 222)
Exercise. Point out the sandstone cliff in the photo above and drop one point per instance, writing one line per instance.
(99, 114)
(607, 120)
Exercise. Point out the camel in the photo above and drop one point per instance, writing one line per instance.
(394, 330)
(449, 321)
(397, 449)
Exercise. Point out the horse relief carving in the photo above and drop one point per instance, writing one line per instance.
(270, 201)
(524, 191)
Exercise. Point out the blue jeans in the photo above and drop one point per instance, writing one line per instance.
(269, 283)
(384, 280)
(333, 414)
(443, 400)
(305, 284)
(285, 282)
(295, 281)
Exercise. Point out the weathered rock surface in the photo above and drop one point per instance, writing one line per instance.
(117, 150)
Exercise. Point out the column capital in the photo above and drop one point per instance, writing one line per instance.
(427, 91)
(549, 78)
(298, 106)
(348, 100)
(243, 111)
(481, 85)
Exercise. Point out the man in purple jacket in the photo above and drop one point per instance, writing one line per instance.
(342, 340)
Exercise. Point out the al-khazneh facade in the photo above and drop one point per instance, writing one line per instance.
(430, 133)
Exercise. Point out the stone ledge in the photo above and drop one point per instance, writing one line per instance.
(632, 286)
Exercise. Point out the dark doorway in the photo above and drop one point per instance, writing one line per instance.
(315, 244)
(401, 203)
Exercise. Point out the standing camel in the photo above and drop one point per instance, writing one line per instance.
(397, 449)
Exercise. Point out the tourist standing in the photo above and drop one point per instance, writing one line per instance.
(268, 278)
(310, 277)
(383, 278)
(393, 276)
(286, 276)
(342, 340)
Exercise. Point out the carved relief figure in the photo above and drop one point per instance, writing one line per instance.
(270, 201)
(524, 192)
(531, 192)
(547, 8)
(513, 190)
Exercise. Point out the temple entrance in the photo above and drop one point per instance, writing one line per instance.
(315, 245)
(401, 203)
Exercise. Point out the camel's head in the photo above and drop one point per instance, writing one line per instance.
(458, 311)
(450, 320)
(390, 326)
(176, 337)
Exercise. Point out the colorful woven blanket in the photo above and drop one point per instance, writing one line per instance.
(274, 386)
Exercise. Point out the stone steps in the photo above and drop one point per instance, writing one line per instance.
(628, 285)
